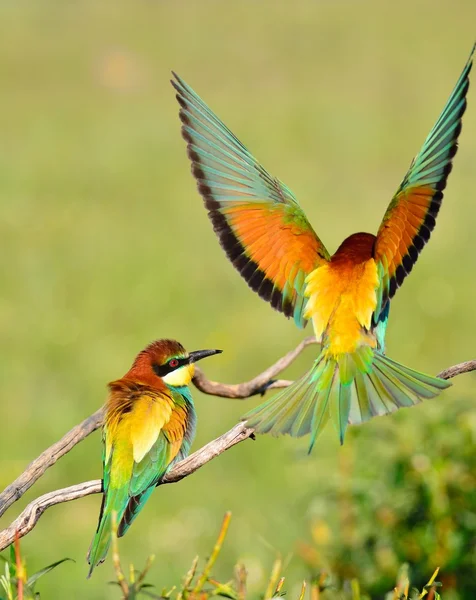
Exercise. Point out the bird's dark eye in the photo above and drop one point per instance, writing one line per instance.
(173, 363)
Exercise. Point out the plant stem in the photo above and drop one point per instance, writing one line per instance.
(116, 559)
(214, 555)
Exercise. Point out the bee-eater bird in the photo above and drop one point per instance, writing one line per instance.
(269, 240)
(149, 425)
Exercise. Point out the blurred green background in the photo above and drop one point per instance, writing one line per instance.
(106, 246)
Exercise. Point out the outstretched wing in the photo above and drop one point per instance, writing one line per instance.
(410, 217)
(258, 220)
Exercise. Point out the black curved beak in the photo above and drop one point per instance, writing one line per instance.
(197, 355)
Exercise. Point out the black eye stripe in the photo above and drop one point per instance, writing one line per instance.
(163, 370)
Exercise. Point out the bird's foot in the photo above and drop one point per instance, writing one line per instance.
(263, 388)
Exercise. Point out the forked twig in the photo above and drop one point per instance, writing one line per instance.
(255, 385)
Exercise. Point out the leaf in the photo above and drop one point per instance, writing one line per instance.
(12, 563)
(6, 583)
(146, 585)
(34, 578)
(167, 594)
(223, 593)
(29, 592)
(151, 595)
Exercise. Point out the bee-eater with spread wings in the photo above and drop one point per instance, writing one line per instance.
(268, 238)
(149, 425)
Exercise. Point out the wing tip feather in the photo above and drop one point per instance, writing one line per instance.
(234, 249)
(423, 234)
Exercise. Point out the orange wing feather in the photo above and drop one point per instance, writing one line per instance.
(410, 217)
(258, 220)
(280, 248)
(174, 430)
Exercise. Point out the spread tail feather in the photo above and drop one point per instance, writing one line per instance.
(350, 388)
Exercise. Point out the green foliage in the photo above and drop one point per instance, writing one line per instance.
(16, 584)
(420, 509)
(202, 585)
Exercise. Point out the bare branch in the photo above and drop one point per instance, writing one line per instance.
(47, 458)
(464, 367)
(32, 513)
(255, 385)
(35, 469)
(29, 517)
(27, 520)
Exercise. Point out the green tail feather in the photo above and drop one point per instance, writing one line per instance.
(349, 389)
(100, 544)
(116, 502)
(127, 508)
(133, 508)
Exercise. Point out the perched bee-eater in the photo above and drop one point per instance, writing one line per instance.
(149, 425)
(268, 238)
